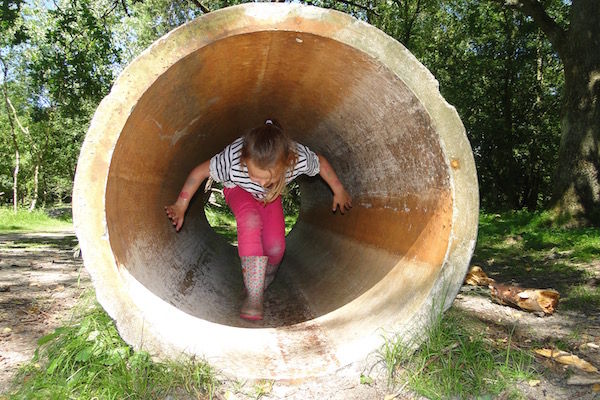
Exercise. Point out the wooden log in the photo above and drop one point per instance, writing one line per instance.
(476, 277)
(535, 300)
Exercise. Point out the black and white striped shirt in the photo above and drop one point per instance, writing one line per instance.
(226, 167)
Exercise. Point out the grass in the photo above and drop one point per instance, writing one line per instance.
(456, 360)
(526, 249)
(87, 359)
(223, 222)
(35, 221)
(459, 356)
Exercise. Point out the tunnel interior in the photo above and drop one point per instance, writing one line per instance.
(329, 96)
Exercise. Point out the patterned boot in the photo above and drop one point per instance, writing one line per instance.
(253, 272)
(270, 274)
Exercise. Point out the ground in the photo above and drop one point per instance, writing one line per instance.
(42, 277)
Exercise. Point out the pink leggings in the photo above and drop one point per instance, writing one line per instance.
(260, 228)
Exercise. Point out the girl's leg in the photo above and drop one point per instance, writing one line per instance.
(248, 220)
(253, 272)
(273, 237)
(250, 248)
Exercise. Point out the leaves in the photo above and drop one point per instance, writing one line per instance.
(566, 358)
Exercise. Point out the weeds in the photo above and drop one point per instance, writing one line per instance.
(88, 360)
(223, 222)
(526, 249)
(455, 361)
(26, 221)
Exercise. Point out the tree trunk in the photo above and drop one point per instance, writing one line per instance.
(36, 175)
(13, 136)
(577, 179)
(16, 178)
(533, 180)
(577, 182)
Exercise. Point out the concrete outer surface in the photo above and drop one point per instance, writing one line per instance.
(336, 84)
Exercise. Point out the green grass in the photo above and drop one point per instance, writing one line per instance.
(88, 360)
(223, 222)
(35, 221)
(456, 360)
(527, 249)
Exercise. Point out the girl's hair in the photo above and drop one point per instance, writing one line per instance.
(269, 148)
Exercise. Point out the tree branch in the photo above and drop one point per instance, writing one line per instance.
(9, 105)
(351, 3)
(202, 7)
(125, 8)
(535, 10)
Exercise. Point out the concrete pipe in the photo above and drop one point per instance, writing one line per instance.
(336, 84)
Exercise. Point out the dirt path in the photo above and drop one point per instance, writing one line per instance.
(41, 280)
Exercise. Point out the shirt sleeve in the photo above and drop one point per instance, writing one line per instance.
(220, 164)
(308, 161)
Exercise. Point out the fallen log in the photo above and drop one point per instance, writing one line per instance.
(528, 299)
(534, 300)
(476, 277)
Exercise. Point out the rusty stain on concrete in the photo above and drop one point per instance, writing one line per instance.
(338, 85)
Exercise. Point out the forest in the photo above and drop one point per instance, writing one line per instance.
(524, 76)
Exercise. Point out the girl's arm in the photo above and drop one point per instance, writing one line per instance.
(341, 198)
(176, 211)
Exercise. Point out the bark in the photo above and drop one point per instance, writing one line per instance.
(36, 174)
(16, 179)
(528, 299)
(39, 157)
(577, 180)
(535, 300)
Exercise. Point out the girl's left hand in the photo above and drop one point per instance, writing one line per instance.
(342, 200)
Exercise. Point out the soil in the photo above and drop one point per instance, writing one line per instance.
(42, 278)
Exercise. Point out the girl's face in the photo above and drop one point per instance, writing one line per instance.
(263, 177)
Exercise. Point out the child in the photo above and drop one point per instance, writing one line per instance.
(254, 170)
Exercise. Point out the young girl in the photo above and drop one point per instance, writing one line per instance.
(254, 170)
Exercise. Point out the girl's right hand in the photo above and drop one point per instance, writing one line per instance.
(175, 212)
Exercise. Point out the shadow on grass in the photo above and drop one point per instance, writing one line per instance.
(524, 249)
(27, 241)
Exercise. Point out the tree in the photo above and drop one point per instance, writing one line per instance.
(577, 43)
(12, 33)
(12, 121)
(503, 78)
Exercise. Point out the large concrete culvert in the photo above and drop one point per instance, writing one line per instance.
(337, 85)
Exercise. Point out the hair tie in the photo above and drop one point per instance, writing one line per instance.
(268, 122)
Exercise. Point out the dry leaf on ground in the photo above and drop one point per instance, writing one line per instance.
(567, 358)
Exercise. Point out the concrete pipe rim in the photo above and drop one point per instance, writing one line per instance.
(145, 320)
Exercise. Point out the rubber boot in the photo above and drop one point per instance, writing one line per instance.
(270, 274)
(253, 272)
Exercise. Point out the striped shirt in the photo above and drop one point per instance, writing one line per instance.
(225, 167)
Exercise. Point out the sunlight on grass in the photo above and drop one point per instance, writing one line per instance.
(37, 220)
(88, 360)
(223, 222)
(525, 248)
(456, 360)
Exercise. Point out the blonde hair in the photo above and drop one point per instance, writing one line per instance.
(269, 148)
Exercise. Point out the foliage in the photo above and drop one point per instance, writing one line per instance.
(455, 360)
(507, 97)
(88, 360)
(36, 221)
(493, 64)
